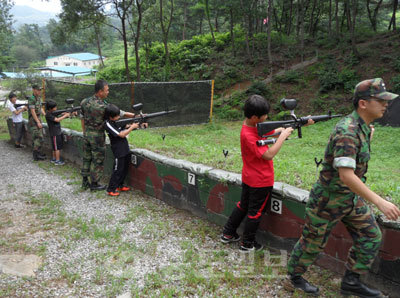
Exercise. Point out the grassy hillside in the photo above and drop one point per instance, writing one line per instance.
(325, 85)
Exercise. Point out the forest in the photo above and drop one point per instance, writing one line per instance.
(229, 41)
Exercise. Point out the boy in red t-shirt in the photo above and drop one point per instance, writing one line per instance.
(257, 175)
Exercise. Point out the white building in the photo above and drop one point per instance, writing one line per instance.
(86, 60)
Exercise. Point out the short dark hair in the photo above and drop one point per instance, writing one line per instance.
(50, 105)
(12, 95)
(111, 111)
(99, 85)
(256, 105)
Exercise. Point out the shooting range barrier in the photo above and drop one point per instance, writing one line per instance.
(192, 100)
(391, 116)
(212, 194)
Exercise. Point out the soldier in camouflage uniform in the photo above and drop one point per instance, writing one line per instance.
(92, 120)
(340, 194)
(35, 126)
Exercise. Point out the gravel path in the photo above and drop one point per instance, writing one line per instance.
(94, 246)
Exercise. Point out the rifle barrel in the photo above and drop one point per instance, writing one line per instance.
(142, 119)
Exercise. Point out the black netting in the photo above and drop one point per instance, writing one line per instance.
(191, 100)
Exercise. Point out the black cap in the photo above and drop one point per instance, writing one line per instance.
(36, 86)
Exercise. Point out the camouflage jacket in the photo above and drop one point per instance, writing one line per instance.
(92, 112)
(34, 103)
(349, 146)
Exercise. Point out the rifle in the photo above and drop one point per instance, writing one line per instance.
(71, 109)
(264, 128)
(17, 105)
(143, 118)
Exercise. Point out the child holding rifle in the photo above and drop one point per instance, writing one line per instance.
(120, 149)
(16, 118)
(54, 125)
(257, 175)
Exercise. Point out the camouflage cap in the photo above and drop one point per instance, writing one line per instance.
(373, 88)
(37, 87)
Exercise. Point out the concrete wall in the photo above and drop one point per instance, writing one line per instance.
(212, 194)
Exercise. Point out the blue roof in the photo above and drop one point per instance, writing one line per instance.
(83, 56)
(71, 70)
(14, 75)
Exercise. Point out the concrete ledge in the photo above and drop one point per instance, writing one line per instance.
(213, 193)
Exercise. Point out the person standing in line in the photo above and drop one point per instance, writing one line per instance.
(120, 149)
(92, 121)
(55, 132)
(257, 175)
(340, 194)
(16, 118)
(35, 126)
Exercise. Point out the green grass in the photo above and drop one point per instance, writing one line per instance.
(294, 164)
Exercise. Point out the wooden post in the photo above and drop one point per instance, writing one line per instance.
(132, 93)
(212, 99)
(44, 90)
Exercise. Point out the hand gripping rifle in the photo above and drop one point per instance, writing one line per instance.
(71, 109)
(17, 105)
(142, 118)
(264, 128)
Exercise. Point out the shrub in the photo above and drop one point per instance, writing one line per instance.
(348, 79)
(395, 82)
(259, 88)
(351, 60)
(291, 76)
(396, 64)
(330, 78)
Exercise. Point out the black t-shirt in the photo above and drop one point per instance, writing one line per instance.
(54, 127)
(119, 146)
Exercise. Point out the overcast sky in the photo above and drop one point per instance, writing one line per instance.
(49, 6)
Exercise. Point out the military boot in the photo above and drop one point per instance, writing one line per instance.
(95, 186)
(37, 156)
(85, 183)
(351, 285)
(41, 156)
(299, 282)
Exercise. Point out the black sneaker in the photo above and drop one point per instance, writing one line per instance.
(248, 247)
(225, 238)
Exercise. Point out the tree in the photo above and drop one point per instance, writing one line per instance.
(28, 45)
(136, 33)
(393, 19)
(207, 10)
(372, 16)
(270, 3)
(96, 11)
(5, 33)
(165, 27)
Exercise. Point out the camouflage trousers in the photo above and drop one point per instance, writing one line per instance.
(93, 156)
(37, 137)
(323, 211)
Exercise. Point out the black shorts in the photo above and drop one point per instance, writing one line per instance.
(56, 142)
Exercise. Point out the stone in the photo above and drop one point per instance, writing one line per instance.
(19, 265)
